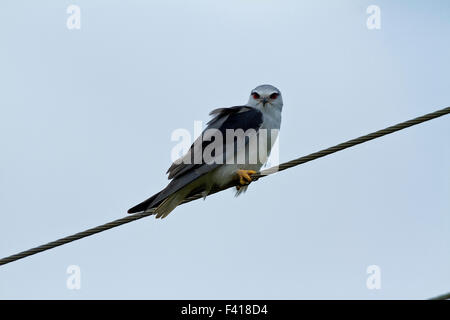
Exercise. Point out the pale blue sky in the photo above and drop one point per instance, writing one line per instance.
(85, 123)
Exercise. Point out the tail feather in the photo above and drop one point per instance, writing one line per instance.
(169, 204)
(171, 196)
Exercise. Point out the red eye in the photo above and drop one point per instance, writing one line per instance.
(255, 95)
(274, 96)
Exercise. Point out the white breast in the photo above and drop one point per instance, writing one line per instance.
(271, 125)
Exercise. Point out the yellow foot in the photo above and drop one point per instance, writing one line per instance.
(244, 177)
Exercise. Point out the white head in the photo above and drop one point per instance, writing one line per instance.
(264, 97)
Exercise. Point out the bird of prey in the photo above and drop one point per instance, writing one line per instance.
(190, 175)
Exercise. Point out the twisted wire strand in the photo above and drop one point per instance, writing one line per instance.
(255, 177)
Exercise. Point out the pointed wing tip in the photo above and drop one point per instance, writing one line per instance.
(132, 211)
(138, 208)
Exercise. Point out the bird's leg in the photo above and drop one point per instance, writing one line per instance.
(244, 177)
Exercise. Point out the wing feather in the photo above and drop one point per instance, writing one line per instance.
(182, 173)
(239, 117)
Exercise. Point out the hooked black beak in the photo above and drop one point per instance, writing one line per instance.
(264, 101)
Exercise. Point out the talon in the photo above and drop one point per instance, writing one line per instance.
(244, 176)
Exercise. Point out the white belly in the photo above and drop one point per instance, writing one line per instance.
(255, 155)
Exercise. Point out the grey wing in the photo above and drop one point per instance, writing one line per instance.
(239, 117)
(185, 170)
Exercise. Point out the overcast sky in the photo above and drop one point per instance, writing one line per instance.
(86, 117)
